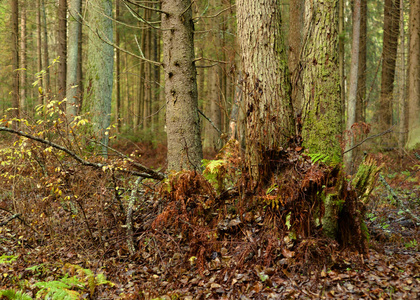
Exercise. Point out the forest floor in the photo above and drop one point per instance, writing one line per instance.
(64, 263)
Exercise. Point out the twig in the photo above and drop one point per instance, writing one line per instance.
(146, 7)
(149, 173)
(211, 122)
(368, 138)
(9, 219)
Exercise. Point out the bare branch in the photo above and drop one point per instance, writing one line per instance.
(149, 173)
(146, 7)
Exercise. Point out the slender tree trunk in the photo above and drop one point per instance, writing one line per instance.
(23, 61)
(402, 95)
(72, 59)
(62, 48)
(39, 46)
(118, 68)
(414, 77)
(47, 82)
(361, 84)
(80, 89)
(100, 68)
(14, 22)
(389, 55)
(341, 53)
(267, 87)
(352, 100)
(182, 120)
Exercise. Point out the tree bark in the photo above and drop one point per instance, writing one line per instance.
(267, 87)
(118, 68)
(354, 68)
(46, 64)
(414, 77)
(72, 59)
(182, 120)
(14, 22)
(62, 48)
(389, 55)
(100, 68)
(23, 60)
(321, 80)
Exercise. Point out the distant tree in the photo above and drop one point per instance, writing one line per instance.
(100, 63)
(182, 119)
(414, 77)
(389, 57)
(62, 48)
(14, 22)
(23, 59)
(46, 58)
(72, 58)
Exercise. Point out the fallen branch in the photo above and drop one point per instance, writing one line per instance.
(368, 138)
(148, 172)
(9, 219)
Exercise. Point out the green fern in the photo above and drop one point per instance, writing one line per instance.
(60, 289)
(6, 259)
(15, 295)
(315, 157)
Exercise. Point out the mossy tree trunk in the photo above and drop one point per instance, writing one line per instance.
(182, 119)
(322, 106)
(270, 120)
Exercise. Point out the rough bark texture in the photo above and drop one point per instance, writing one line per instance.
(321, 81)
(62, 48)
(269, 111)
(14, 22)
(100, 67)
(414, 77)
(322, 105)
(389, 56)
(361, 84)
(72, 58)
(295, 37)
(182, 120)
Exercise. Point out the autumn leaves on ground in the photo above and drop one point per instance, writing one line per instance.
(73, 231)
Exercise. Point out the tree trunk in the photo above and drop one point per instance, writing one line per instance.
(352, 100)
(295, 39)
(72, 59)
(23, 61)
(80, 89)
(14, 22)
(62, 48)
(322, 108)
(402, 79)
(361, 83)
(414, 77)
(182, 120)
(100, 68)
(389, 55)
(321, 81)
(118, 68)
(267, 88)
(46, 64)
(39, 47)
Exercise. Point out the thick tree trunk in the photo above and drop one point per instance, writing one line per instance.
(322, 108)
(14, 22)
(321, 81)
(267, 88)
(72, 59)
(295, 39)
(361, 83)
(62, 48)
(402, 79)
(414, 77)
(182, 120)
(389, 56)
(100, 68)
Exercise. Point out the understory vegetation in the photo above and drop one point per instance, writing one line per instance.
(76, 225)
